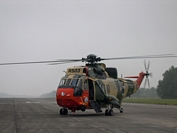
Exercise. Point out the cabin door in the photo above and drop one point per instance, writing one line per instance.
(100, 91)
(91, 89)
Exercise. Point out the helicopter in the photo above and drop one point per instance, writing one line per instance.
(95, 86)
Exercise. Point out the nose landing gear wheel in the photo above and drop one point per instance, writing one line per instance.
(63, 111)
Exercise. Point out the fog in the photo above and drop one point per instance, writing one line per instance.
(48, 30)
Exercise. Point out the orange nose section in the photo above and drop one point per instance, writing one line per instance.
(65, 98)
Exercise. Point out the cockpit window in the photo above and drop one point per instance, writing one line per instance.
(80, 84)
(68, 82)
(62, 82)
(78, 89)
(74, 82)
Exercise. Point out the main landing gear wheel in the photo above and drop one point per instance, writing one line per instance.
(121, 110)
(106, 112)
(63, 111)
(109, 112)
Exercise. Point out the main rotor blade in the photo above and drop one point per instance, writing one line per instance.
(40, 62)
(62, 62)
(140, 57)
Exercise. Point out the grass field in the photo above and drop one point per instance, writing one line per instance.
(151, 101)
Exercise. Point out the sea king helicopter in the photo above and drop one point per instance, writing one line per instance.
(95, 86)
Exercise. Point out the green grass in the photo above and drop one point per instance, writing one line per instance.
(151, 101)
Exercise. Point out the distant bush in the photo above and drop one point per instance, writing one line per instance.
(3, 95)
(49, 95)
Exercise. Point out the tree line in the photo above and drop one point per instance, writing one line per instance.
(146, 93)
(167, 87)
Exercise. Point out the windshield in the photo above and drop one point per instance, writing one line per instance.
(75, 83)
(62, 82)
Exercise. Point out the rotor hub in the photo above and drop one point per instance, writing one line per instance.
(91, 58)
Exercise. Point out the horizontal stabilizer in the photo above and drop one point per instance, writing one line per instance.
(131, 77)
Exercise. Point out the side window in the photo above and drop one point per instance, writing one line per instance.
(68, 82)
(108, 88)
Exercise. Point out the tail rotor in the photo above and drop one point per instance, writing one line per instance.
(147, 74)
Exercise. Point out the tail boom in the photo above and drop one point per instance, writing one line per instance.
(139, 78)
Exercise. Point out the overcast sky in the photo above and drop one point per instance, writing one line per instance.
(33, 30)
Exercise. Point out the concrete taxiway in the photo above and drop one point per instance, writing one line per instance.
(42, 116)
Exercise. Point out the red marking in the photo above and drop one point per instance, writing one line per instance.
(65, 98)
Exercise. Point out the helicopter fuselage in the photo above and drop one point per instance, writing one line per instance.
(93, 87)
